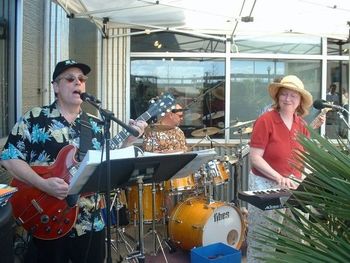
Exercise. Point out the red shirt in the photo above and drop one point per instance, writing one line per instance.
(271, 134)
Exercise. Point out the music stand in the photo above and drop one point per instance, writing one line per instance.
(130, 168)
(140, 170)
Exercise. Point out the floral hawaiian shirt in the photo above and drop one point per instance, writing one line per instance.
(38, 137)
(165, 141)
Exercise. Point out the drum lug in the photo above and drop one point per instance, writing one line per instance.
(178, 221)
(196, 227)
(189, 202)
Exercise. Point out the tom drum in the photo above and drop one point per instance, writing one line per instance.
(146, 203)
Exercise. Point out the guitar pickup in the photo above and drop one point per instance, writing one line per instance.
(37, 206)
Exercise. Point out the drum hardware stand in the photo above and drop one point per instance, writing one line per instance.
(226, 189)
(210, 197)
(120, 233)
(153, 230)
(165, 219)
(140, 255)
(238, 169)
(212, 142)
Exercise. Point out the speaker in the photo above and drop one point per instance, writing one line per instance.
(6, 234)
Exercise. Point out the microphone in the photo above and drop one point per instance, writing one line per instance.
(88, 97)
(320, 104)
(178, 110)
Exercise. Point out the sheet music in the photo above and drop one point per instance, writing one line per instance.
(90, 162)
(203, 157)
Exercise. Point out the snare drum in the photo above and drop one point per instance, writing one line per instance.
(146, 203)
(178, 185)
(195, 223)
(217, 172)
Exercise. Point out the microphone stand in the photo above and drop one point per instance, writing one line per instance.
(107, 117)
(341, 116)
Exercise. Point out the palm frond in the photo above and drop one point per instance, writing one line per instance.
(325, 196)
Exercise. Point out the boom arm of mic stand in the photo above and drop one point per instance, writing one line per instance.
(107, 114)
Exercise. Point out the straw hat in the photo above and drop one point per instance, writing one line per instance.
(293, 83)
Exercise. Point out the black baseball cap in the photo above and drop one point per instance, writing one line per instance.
(63, 65)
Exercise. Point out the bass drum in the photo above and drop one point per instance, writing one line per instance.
(195, 223)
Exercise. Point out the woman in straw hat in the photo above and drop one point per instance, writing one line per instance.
(272, 147)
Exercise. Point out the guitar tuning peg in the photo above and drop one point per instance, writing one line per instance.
(153, 100)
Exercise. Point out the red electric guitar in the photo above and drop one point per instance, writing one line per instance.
(46, 217)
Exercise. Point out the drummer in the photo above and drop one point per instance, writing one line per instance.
(165, 136)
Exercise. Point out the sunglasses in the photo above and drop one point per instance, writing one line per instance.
(72, 78)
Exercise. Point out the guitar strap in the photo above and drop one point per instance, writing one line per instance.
(85, 145)
(85, 136)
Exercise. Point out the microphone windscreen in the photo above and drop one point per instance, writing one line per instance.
(319, 104)
(84, 96)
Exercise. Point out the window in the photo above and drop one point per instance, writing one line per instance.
(337, 47)
(167, 68)
(170, 42)
(337, 93)
(286, 44)
(192, 81)
(250, 79)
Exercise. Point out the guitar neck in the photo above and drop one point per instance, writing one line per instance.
(117, 140)
(160, 106)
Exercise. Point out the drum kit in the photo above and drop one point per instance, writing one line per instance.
(186, 207)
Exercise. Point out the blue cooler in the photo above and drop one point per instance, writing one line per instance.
(217, 252)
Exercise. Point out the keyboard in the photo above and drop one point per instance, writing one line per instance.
(266, 199)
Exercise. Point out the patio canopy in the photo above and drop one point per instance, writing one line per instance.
(235, 19)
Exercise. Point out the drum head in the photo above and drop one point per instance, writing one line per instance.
(224, 225)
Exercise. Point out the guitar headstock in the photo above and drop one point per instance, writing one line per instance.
(162, 104)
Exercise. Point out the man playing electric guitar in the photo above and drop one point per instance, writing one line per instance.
(38, 153)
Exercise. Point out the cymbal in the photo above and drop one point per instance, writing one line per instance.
(240, 123)
(219, 93)
(244, 130)
(155, 127)
(214, 115)
(231, 159)
(205, 131)
(192, 116)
